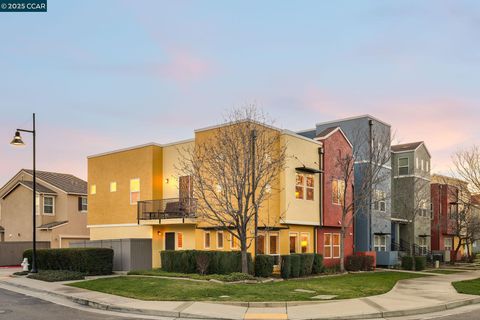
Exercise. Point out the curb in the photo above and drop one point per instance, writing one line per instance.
(178, 314)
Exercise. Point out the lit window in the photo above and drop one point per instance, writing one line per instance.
(327, 245)
(293, 242)
(261, 244)
(338, 191)
(179, 240)
(310, 186)
(379, 203)
(134, 191)
(206, 240)
(48, 205)
(113, 186)
(299, 185)
(304, 242)
(336, 245)
(93, 189)
(220, 239)
(380, 243)
(403, 166)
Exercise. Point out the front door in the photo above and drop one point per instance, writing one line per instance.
(169, 240)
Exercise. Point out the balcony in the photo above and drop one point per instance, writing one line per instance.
(174, 208)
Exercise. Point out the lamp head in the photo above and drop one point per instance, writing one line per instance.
(17, 140)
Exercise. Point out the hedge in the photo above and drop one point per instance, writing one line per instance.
(317, 266)
(57, 275)
(420, 263)
(359, 263)
(286, 266)
(295, 266)
(194, 261)
(306, 264)
(263, 265)
(407, 263)
(91, 261)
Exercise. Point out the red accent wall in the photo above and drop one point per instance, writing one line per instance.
(442, 195)
(332, 213)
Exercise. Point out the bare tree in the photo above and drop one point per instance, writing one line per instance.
(233, 172)
(372, 175)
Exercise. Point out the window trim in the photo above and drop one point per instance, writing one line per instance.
(300, 186)
(340, 191)
(205, 240)
(407, 166)
(53, 206)
(375, 246)
(86, 198)
(307, 234)
(139, 189)
(277, 234)
(329, 234)
(223, 239)
(336, 245)
(296, 235)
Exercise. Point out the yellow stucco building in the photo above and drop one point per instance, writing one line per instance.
(138, 192)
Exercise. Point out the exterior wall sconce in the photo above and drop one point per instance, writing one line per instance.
(167, 181)
(159, 233)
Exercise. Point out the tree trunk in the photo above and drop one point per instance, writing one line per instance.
(342, 249)
(244, 261)
(454, 259)
(412, 244)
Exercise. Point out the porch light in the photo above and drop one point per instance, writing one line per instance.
(304, 243)
(17, 140)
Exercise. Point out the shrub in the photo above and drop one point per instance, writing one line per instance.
(420, 263)
(235, 276)
(91, 261)
(214, 262)
(307, 263)
(295, 266)
(20, 273)
(263, 265)
(359, 263)
(57, 275)
(407, 263)
(317, 266)
(286, 266)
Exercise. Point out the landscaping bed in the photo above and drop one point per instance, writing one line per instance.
(233, 277)
(57, 275)
(340, 287)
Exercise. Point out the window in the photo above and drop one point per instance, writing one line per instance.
(427, 166)
(261, 243)
(453, 211)
(37, 204)
(422, 244)
(134, 191)
(403, 166)
(338, 191)
(304, 186)
(421, 165)
(93, 189)
(220, 239)
(299, 183)
(48, 205)
(233, 242)
(416, 160)
(206, 240)
(379, 203)
(424, 209)
(113, 186)
(304, 242)
(380, 243)
(327, 245)
(447, 243)
(82, 204)
(336, 245)
(179, 240)
(274, 246)
(293, 242)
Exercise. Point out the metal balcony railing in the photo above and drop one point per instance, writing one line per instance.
(173, 208)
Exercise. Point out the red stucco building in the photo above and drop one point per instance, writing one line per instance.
(335, 146)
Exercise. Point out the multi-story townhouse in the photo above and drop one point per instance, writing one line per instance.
(372, 222)
(411, 218)
(61, 208)
(336, 147)
(140, 193)
(445, 194)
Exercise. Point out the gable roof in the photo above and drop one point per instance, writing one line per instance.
(412, 146)
(354, 118)
(51, 225)
(39, 187)
(329, 131)
(63, 181)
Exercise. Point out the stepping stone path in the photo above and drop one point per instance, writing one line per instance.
(324, 297)
(304, 291)
(224, 297)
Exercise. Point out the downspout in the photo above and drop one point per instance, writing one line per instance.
(370, 235)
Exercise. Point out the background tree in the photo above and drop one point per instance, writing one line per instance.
(222, 166)
(372, 175)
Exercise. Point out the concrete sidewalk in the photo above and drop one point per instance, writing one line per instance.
(408, 297)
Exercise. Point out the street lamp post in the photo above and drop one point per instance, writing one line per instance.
(17, 141)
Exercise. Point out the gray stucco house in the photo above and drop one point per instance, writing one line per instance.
(411, 199)
(373, 221)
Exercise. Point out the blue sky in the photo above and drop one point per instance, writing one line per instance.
(106, 74)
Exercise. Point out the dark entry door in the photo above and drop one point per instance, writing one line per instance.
(169, 240)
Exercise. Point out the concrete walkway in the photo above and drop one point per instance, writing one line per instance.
(408, 297)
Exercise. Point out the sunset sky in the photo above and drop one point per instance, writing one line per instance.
(103, 75)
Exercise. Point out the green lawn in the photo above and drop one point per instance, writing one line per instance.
(468, 286)
(222, 277)
(344, 286)
(444, 271)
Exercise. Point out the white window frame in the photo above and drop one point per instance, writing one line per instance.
(37, 205)
(340, 191)
(416, 160)
(423, 244)
(53, 206)
(421, 164)
(93, 189)
(293, 234)
(379, 199)
(220, 233)
(307, 234)
(205, 240)
(113, 183)
(336, 245)
(277, 234)
(328, 246)
(139, 190)
(304, 195)
(307, 188)
(445, 244)
(379, 245)
(407, 166)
